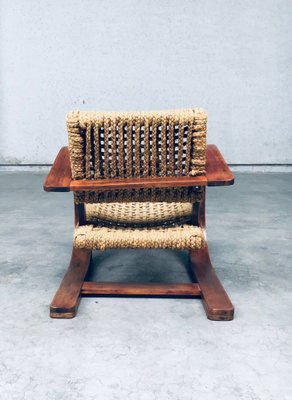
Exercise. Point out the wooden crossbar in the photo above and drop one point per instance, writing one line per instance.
(136, 289)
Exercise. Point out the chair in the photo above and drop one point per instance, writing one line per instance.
(139, 181)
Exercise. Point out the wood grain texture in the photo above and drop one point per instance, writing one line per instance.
(137, 183)
(217, 304)
(59, 177)
(217, 171)
(67, 297)
(137, 289)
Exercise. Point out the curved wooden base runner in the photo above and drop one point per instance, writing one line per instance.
(66, 300)
(217, 304)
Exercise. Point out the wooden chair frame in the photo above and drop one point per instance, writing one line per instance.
(205, 285)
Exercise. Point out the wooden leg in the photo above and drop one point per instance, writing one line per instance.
(67, 297)
(217, 304)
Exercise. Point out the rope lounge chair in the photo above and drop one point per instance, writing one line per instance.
(139, 181)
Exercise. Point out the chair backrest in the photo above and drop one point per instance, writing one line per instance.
(137, 144)
(129, 144)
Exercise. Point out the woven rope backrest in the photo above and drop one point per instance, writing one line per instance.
(136, 144)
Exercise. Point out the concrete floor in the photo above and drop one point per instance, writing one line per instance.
(146, 349)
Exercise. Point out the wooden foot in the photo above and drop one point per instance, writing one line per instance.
(217, 304)
(66, 300)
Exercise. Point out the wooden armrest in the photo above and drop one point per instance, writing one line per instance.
(217, 171)
(59, 178)
(138, 183)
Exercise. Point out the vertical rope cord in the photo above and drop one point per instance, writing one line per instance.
(180, 145)
(198, 156)
(146, 147)
(163, 146)
(121, 147)
(105, 146)
(92, 150)
(189, 147)
(171, 147)
(76, 145)
(88, 151)
(137, 145)
(114, 147)
(128, 152)
(154, 146)
(97, 173)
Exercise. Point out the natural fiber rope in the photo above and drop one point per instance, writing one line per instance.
(180, 144)
(113, 147)
(154, 146)
(163, 146)
(105, 146)
(128, 151)
(171, 145)
(97, 173)
(137, 148)
(146, 146)
(198, 157)
(184, 237)
(76, 145)
(128, 125)
(138, 214)
(169, 195)
(120, 147)
(127, 144)
(188, 154)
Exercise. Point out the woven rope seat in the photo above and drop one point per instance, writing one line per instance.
(181, 237)
(139, 225)
(138, 213)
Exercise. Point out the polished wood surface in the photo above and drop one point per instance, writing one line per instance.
(217, 304)
(59, 178)
(67, 297)
(217, 171)
(138, 183)
(138, 289)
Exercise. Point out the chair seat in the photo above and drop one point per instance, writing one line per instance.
(182, 237)
(137, 214)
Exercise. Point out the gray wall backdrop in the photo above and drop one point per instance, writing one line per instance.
(231, 57)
